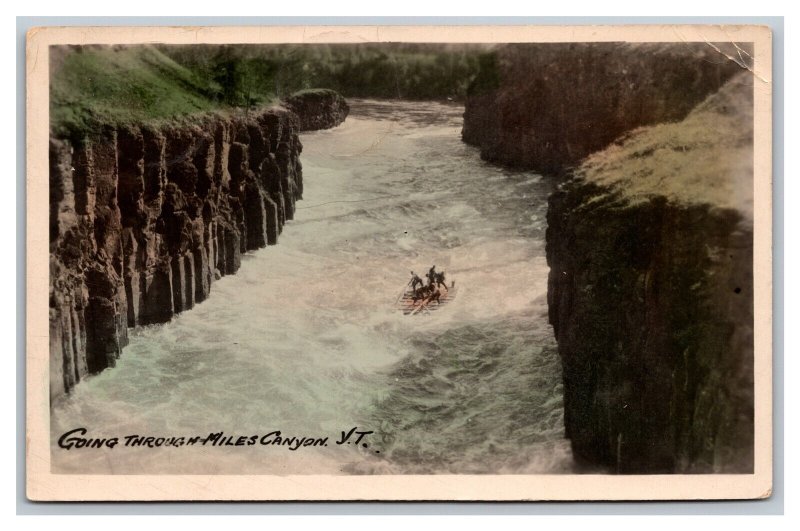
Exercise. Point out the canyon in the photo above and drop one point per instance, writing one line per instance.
(649, 237)
(144, 219)
(649, 241)
(547, 106)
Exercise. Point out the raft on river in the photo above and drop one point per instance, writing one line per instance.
(425, 305)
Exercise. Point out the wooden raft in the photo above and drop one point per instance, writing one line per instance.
(406, 304)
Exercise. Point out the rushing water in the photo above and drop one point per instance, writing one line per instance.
(305, 339)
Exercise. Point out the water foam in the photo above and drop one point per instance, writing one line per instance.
(304, 338)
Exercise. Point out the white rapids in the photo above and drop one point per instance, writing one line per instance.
(306, 338)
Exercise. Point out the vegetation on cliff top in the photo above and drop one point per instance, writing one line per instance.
(706, 158)
(93, 85)
(415, 71)
(547, 106)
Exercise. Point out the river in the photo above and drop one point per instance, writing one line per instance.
(305, 338)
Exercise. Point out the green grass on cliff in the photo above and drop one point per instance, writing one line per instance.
(91, 85)
(707, 158)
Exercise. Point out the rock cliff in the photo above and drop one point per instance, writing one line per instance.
(651, 294)
(144, 218)
(318, 108)
(547, 106)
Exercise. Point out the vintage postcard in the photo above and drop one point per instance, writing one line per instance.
(399, 263)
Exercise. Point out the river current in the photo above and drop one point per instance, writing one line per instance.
(305, 338)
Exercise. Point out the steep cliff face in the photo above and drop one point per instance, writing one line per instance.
(547, 106)
(144, 219)
(318, 108)
(651, 294)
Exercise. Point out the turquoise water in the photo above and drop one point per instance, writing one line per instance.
(305, 339)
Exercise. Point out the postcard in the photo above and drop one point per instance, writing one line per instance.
(399, 263)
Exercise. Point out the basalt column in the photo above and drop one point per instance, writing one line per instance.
(143, 219)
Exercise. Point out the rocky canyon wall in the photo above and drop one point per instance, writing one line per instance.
(145, 218)
(651, 294)
(547, 106)
(318, 108)
(649, 241)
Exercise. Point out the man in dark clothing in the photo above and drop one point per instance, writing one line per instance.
(431, 275)
(439, 278)
(415, 280)
(434, 294)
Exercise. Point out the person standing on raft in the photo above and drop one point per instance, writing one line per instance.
(414, 281)
(431, 275)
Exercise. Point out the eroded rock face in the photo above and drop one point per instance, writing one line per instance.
(651, 305)
(547, 106)
(650, 295)
(144, 219)
(650, 243)
(318, 108)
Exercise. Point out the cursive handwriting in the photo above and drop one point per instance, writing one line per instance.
(78, 439)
